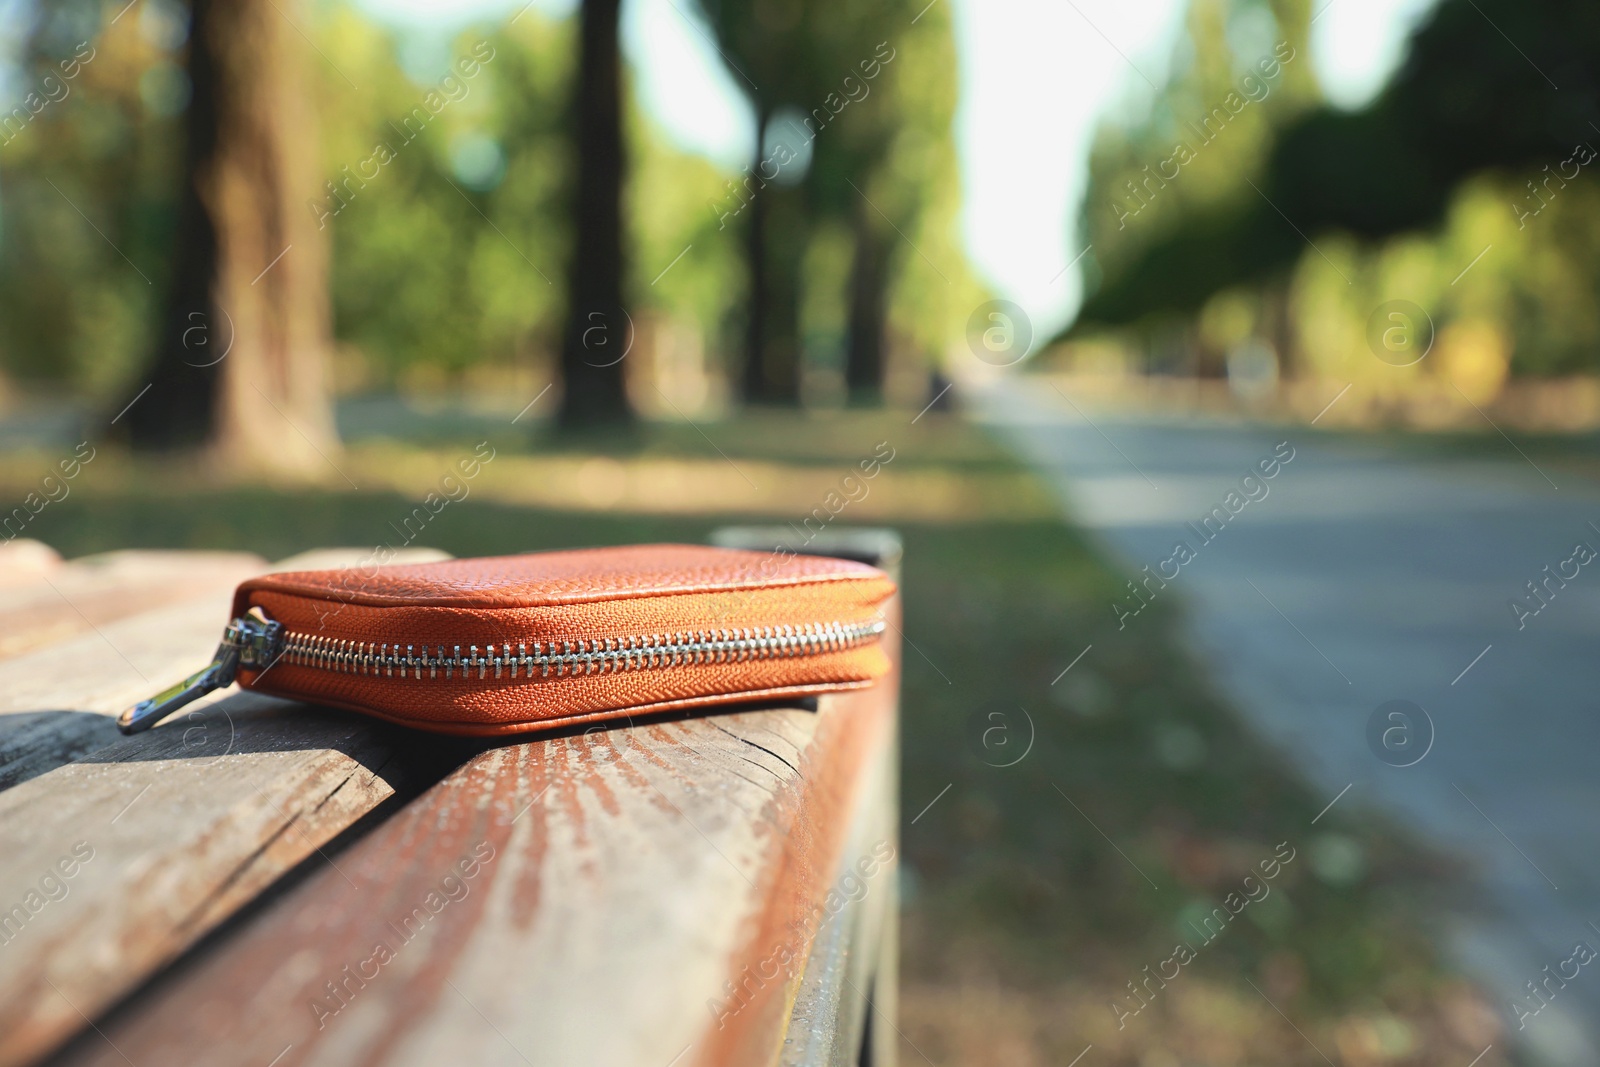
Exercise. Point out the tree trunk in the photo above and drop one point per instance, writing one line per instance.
(241, 360)
(1280, 329)
(179, 408)
(753, 385)
(786, 248)
(598, 331)
(776, 248)
(869, 297)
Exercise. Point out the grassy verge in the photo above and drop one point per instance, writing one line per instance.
(1081, 826)
(1044, 888)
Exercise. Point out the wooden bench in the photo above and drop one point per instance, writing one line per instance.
(267, 883)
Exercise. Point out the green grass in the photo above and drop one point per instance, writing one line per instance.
(779, 434)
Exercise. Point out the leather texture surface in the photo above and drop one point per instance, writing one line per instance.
(587, 595)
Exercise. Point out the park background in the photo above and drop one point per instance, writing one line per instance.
(280, 263)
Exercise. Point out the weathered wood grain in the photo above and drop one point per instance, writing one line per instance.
(844, 1010)
(58, 702)
(134, 656)
(639, 894)
(78, 596)
(182, 825)
(174, 829)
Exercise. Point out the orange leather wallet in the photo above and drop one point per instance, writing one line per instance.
(514, 643)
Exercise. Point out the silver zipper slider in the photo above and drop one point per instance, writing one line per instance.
(254, 641)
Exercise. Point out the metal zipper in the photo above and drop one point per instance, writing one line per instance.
(257, 642)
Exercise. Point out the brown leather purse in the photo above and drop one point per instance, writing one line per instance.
(515, 643)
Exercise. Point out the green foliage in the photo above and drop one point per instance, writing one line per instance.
(452, 252)
(1536, 287)
(668, 210)
(446, 202)
(1242, 70)
(88, 162)
(1470, 146)
(934, 290)
(873, 87)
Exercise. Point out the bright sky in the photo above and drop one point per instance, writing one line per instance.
(1036, 76)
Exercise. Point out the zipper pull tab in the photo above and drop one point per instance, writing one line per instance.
(254, 640)
(147, 713)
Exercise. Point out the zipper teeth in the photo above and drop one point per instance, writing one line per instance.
(609, 655)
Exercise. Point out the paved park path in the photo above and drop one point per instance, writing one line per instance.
(1368, 574)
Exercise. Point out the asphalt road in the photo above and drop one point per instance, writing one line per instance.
(1362, 574)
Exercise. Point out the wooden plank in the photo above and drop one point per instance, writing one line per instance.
(645, 893)
(174, 830)
(79, 596)
(845, 1008)
(132, 657)
(865, 544)
(181, 825)
(23, 560)
(57, 703)
(44, 602)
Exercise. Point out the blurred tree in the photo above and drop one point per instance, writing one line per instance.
(1242, 70)
(444, 257)
(851, 154)
(1477, 90)
(596, 328)
(886, 167)
(688, 317)
(765, 44)
(865, 362)
(869, 140)
(1533, 287)
(87, 163)
(445, 266)
(447, 208)
(780, 226)
(241, 357)
(184, 378)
